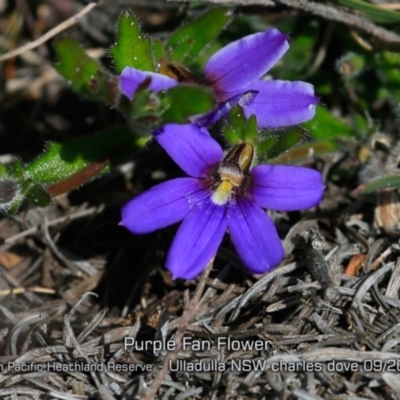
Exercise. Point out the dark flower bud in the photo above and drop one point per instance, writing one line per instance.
(10, 193)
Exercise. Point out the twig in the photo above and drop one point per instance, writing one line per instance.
(363, 43)
(380, 258)
(34, 229)
(51, 33)
(187, 317)
(34, 289)
(382, 37)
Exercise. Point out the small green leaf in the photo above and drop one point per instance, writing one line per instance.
(187, 43)
(237, 123)
(384, 182)
(239, 128)
(85, 74)
(372, 11)
(182, 102)
(250, 131)
(37, 196)
(62, 160)
(158, 50)
(133, 48)
(280, 141)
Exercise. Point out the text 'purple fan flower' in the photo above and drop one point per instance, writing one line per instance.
(236, 70)
(220, 193)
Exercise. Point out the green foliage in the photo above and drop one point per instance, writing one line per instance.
(324, 131)
(85, 74)
(324, 126)
(62, 160)
(279, 142)
(15, 188)
(37, 196)
(239, 128)
(65, 166)
(371, 11)
(268, 146)
(188, 42)
(182, 102)
(388, 72)
(16, 170)
(158, 50)
(133, 48)
(385, 182)
(146, 108)
(178, 104)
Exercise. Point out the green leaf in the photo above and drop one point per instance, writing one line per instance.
(85, 74)
(66, 166)
(182, 102)
(325, 126)
(187, 43)
(384, 182)
(133, 48)
(280, 141)
(239, 128)
(62, 160)
(158, 50)
(37, 196)
(324, 130)
(250, 131)
(237, 123)
(371, 11)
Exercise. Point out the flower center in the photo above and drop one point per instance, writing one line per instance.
(231, 173)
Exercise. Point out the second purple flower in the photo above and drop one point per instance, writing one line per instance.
(237, 69)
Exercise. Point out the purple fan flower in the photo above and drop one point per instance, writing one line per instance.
(236, 70)
(221, 192)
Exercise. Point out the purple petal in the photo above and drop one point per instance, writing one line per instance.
(255, 237)
(162, 205)
(282, 103)
(286, 188)
(131, 78)
(192, 148)
(197, 241)
(232, 69)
